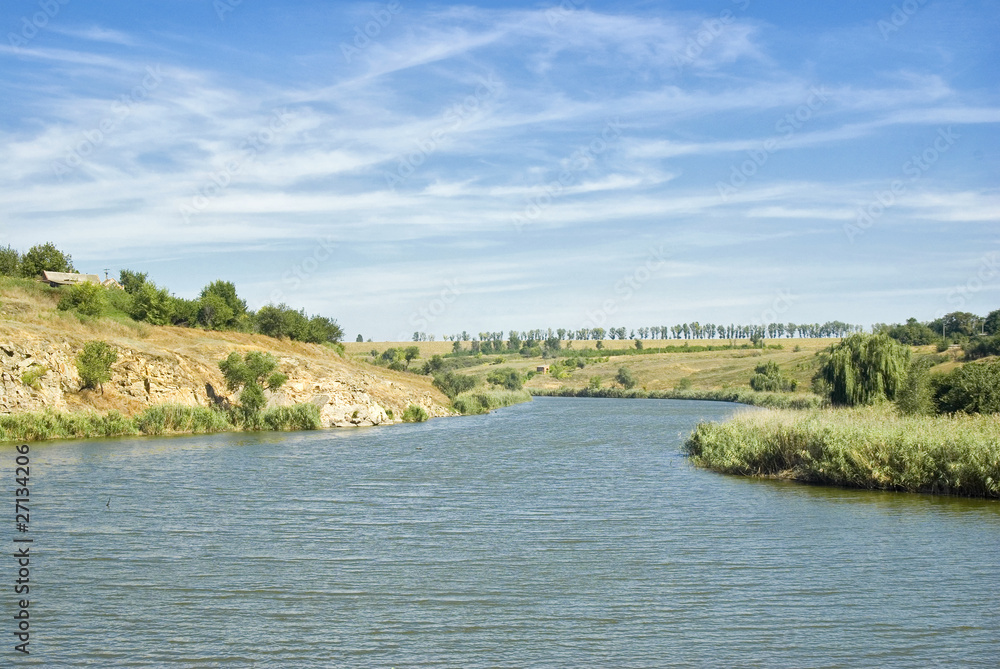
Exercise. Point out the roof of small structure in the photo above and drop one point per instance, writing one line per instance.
(68, 278)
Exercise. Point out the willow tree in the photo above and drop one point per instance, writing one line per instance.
(865, 369)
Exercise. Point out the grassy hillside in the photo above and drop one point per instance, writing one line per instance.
(696, 370)
(159, 365)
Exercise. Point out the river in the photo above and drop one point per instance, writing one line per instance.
(558, 533)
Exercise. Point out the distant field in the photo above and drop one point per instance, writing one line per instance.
(660, 371)
(706, 370)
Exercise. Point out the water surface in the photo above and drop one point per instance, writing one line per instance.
(564, 532)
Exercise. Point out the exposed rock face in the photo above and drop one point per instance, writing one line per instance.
(38, 373)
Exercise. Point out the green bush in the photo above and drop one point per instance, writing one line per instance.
(972, 388)
(483, 401)
(452, 384)
(625, 378)
(297, 417)
(32, 375)
(414, 414)
(982, 347)
(768, 378)
(94, 364)
(87, 298)
(508, 377)
(916, 397)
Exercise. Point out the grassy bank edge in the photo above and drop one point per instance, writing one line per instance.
(870, 448)
(484, 400)
(165, 419)
(741, 396)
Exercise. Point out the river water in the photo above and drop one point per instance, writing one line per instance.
(559, 533)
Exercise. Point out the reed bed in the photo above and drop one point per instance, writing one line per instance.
(485, 400)
(154, 421)
(739, 395)
(871, 448)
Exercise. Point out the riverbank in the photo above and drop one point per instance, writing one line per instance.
(162, 370)
(870, 448)
(738, 395)
(169, 419)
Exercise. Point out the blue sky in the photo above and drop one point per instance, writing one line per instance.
(407, 166)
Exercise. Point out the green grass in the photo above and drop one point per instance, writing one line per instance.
(44, 425)
(869, 448)
(156, 420)
(414, 414)
(484, 400)
(33, 375)
(740, 395)
(175, 418)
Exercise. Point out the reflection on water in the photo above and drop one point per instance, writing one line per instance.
(565, 532)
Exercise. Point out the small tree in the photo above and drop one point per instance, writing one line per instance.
(916, 396)
(45, 257)
(972, 388)
(992, 323)
(625, 378)
(410, 354)
(508, 377)
(251, 375)
(94, 364)
(865, 369)
(131, 281)
(10, 261)
(452, 384)
(768, 377)
(595, 382)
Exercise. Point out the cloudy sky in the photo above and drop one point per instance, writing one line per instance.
(407, 166)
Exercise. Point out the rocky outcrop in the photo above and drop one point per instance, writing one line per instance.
(38, 373)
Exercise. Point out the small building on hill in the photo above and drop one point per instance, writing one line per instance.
(542, 369)
(56, 279)
(111, 283)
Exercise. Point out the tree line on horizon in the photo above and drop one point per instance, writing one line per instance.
(514, 338)
(217, 307)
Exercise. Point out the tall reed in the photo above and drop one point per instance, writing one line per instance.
(865, 448)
